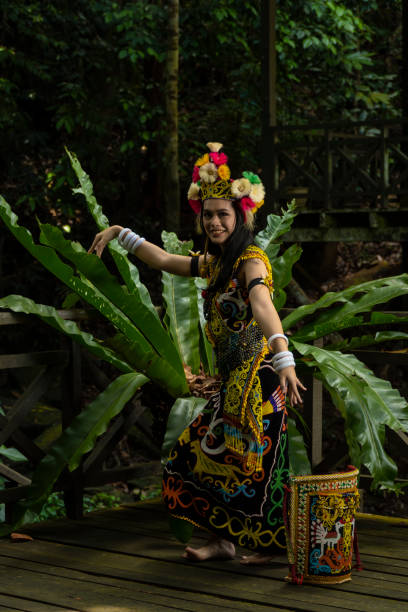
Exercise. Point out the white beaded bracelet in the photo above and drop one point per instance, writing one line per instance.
(272, 338)
(281, 354)
(131, 243)
(285, 363)
(139, 241)
(129, 240)
(122, 233)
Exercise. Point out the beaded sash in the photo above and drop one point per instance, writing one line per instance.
(240, 347)
(319, 514)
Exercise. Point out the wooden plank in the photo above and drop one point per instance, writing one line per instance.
(161, 549)
(11, 474)
(208, 579)
(13, 494)
(145, 592)
(107, 540)
(9, 603)
(70, 594)
(31, 360)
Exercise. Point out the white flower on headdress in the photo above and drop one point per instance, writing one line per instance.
(208, 173)
(240, 188)
(193, 192)
(257, 192)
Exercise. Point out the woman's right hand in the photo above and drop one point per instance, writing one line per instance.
(103, 238)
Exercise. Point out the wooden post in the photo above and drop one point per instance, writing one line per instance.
(73, 493)
(171, 191)
(313, 402)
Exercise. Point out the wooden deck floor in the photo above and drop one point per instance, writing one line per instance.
(126, 560)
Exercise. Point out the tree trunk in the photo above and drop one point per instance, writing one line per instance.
(268, 21)
(171, 192)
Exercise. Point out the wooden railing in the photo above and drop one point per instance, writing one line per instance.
(349, 179)
(64, 365)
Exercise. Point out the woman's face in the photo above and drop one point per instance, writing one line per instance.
(219, 220)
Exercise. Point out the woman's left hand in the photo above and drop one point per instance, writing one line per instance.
(291, 385)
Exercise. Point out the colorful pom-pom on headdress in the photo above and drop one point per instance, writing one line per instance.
(212, 179)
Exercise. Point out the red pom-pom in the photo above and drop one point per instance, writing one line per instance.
(195, 205)
(196, 174)
(218, 158)
(247, 204)
(204, 294)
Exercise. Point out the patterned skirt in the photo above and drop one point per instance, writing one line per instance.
(205, 484)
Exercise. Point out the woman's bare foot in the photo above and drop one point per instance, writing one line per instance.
(215, 548)
(256, 559)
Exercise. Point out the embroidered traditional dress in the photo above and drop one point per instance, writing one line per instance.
(228, 469)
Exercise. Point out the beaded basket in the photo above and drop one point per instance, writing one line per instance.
(320, 527)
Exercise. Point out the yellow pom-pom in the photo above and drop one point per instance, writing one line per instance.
(203, 160)
(224, 172)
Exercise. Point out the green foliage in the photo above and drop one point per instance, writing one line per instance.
(180, 297)
(298, 459)
(128, 271)
(183, 411)
(345, 309)
(75, 441)
(321, 43)
(12, 454)
(268, 240)
(114, 117)
(182, 530)
(367, 404)
(54, 506)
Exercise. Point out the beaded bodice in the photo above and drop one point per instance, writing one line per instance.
(231, 328)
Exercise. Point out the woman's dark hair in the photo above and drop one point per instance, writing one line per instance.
(240, 238)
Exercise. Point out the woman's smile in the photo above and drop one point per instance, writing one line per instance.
(219, 220)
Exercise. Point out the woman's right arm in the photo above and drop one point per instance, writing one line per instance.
(149, 253)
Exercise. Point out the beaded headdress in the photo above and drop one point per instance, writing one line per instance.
(212, 179)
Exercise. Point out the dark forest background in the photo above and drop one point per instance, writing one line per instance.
(89, 74)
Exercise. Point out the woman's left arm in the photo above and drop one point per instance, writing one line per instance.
(266, 316)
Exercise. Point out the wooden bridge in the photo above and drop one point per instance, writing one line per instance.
(350, 179)
(126, 560)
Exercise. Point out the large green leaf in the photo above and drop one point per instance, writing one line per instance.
(206, 349)
(180, 296)
(147, 332)
(367, 340)
(12, 454)
(298, 459)
(48, 314)
(282, 266)
(146, 356)
(367, 404)
(182, 413)
(182, 530)
(347, 307)
(50, 260)
(128, 271)
(78, 439)
(276, 226)
(282, 273)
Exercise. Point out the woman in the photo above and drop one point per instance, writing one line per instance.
(227, 471)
